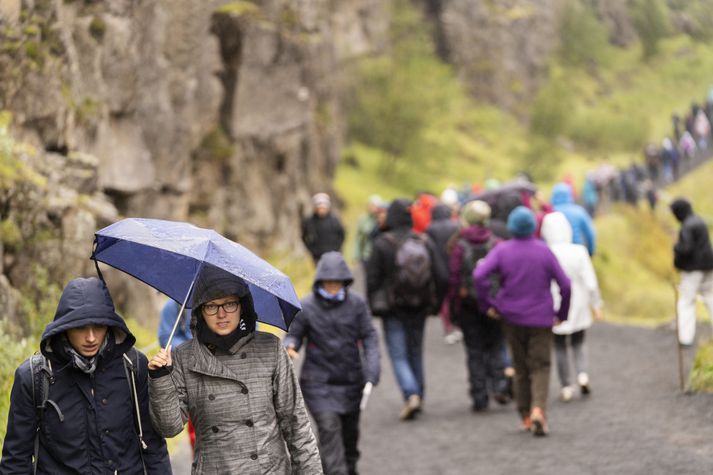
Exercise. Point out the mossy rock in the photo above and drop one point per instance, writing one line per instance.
(97, 28)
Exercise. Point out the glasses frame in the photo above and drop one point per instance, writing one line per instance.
(204, 308)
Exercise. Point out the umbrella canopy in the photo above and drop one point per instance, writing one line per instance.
(516, 186)
(169, 255)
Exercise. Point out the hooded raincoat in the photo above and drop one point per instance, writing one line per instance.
(96, 433)
(332, 375)
(575, 262)
(582, 226)
(692, 251)
(245, 403)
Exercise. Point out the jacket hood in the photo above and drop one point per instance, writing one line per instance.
(215, 283)
(332, 266)
(561, 194)
(440, 212)
(556, 229)
(476, 234)
(399, 214)
(86, 301)
(681, 209)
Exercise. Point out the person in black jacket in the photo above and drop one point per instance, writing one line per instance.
(693, 257)
(336, 327)
(322, 232)
(403, 325)
(89, 422)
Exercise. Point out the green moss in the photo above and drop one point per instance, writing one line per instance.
(216, 146)
(34, 52)
(239, 8)
(88, 110)
(701, 377)
(10, 233)
(97, 28)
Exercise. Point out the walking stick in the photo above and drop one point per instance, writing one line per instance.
(678, 345)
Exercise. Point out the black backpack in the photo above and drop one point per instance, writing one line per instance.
(472, 254)
(42, 378)
(413, 285)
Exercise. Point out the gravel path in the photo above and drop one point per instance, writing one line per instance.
(636, 421)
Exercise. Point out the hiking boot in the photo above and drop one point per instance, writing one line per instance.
(539, 423)
(566, 394)
(454, 337)
(526, 424)
(411, 408)
(583, 381)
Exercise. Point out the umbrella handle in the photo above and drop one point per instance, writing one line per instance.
(180, 312)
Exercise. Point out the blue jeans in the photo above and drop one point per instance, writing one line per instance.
(404, 340)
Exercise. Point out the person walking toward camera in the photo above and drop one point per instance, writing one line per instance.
(73, 406)
(335, 327)
(693, 258)
(237, 385)
(525, 269)
(322, 231)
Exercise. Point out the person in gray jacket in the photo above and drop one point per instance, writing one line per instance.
(335, 322)
(237, 385)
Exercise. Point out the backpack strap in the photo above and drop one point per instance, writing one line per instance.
(42, 377)
(130, 368)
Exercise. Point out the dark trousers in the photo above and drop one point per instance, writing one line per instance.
(484, 342)
(531, 348)
(338, 439)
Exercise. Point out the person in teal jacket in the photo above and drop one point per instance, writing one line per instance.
(582, 226)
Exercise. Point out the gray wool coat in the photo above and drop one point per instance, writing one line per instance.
(246, 407)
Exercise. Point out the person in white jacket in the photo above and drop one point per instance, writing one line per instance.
(585, 302)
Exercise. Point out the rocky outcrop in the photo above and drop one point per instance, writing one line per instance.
(615, 15)
(500, 49)
(223, 113)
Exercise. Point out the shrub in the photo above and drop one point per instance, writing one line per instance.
(650, 19)
(583, 39)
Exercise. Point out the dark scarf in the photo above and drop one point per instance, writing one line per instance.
(213, 341)
(82, 363)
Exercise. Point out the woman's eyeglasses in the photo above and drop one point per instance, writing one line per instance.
(228, 307)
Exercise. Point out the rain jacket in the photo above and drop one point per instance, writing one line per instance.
(97, 435)
(441, 230)
(332, 376)
(381, 267)
(582, 226)
(245, 404)
(692, 251)
(322, 234)
(526, 267)
(575, 262)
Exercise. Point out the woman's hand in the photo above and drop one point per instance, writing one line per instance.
(161, 359)
(292, 353)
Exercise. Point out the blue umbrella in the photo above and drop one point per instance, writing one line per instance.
(169, 256)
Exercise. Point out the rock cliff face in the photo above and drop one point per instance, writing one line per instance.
(225, 113)
(500, 49)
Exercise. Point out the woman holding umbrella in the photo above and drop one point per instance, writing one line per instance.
(237, 385)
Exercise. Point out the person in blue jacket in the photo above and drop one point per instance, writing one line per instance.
(582, 227)
(169, 312)
(89, 424)
(336, 325)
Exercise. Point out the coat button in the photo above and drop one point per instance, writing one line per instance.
(249, 423)
(211, 397)
(244, 391)
(243, 355)
(104, 402)
(253, 456)
(214, 428)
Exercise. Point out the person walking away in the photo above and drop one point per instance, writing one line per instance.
(441, 230)
(585, 301)
(590, 196)
(322, 231)
(90, 381)
(421, 211)
(693, 258)
(236, 384)
(401, 276)
(484, 341)
(167, 319)
(335, 325)
(525, 268)
(582, 227)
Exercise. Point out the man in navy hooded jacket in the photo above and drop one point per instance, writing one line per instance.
(89, 423)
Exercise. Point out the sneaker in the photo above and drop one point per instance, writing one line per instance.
(411, 408)
(583, 381)
(456, 336)
(566, 394)
(539, 423)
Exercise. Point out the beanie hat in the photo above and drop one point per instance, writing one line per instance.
(321, 199)
(521, 222)
(214, 283)
(475, 212)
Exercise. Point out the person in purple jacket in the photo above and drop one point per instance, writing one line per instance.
(525, 268)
